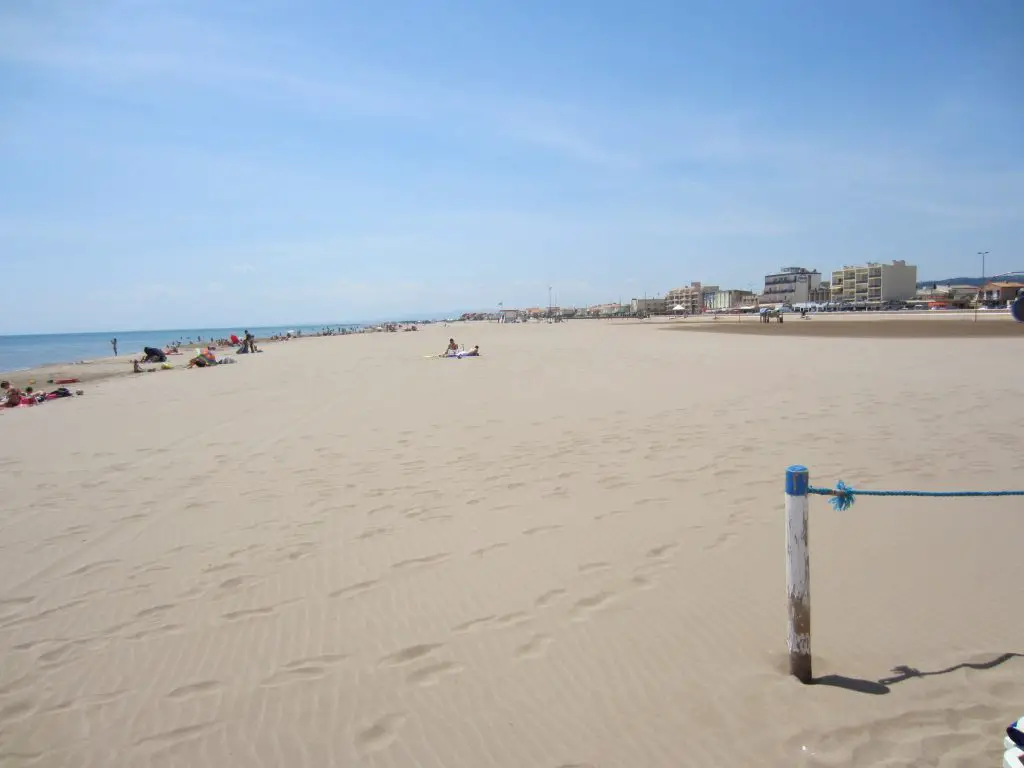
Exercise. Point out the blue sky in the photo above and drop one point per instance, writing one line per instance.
(196, 163)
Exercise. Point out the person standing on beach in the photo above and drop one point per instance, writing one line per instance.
(113, 343)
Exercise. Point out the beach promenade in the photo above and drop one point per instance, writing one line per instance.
(568, 552)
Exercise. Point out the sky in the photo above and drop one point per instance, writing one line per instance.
(203, 164)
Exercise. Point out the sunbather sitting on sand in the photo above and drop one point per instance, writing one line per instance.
(452, 349)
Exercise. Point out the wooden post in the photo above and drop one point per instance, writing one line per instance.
(798, 573)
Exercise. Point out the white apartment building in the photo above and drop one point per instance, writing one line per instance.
(791, 285)
(873, 284)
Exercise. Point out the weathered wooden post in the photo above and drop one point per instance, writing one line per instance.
(798, 573)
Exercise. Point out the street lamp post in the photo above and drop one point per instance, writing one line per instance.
(981, 288)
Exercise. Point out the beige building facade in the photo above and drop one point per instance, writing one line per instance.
(873, 283)
(689, 297)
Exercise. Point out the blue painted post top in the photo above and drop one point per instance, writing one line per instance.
(797, 480)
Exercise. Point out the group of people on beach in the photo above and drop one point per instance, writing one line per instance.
(13, 397)
(454, 350)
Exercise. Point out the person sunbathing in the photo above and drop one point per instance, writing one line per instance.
(453, 349)
(474, 352)
(14, 397)
(202, 360)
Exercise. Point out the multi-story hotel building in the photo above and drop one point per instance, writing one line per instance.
(873, 284)
(791, 285)
(690, 298)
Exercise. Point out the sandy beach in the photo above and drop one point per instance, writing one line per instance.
(568, 552)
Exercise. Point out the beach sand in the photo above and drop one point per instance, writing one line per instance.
(864, 325)
(568, 552)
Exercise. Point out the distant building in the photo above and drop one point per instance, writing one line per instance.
(999, 293)
(945, 296)
(791, 285)
(647, 306)
(873, 284)
(689, 298)
(822, 294)
(731, 299)
(608, 310)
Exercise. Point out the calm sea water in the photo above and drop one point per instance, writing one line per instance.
(19, 352)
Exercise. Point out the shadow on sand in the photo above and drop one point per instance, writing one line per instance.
(881, 687)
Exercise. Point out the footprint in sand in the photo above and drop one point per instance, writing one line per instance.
(722, 539)
(36, 617)
(548, 597)
(247, 613)
(594, 567)
(534, 648)
(178, 735)
(511, 619)
(409, 655)
(418, 561)
(233, 583)
(294, 675)
(432, 673)
(370, 533)
(662, 550)
(85, 569)
(587, 605)
(379, 734)
(540, 529)
(217, 568)
(642, 581)
(473, 624)
(489, 548)
(154, 610)
(354, 589)
(163, 629)
(193, 690)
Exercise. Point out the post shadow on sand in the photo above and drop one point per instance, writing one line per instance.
(903, 672)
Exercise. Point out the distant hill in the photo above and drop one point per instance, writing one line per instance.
(970, 280)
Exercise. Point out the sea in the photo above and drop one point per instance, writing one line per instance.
(28, 351)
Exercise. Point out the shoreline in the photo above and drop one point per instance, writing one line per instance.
(111, 367)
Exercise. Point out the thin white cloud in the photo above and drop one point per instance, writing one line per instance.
(167, 51)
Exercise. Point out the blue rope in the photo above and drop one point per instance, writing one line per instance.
(843, 495)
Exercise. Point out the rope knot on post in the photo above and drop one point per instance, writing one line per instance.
(842, 495)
